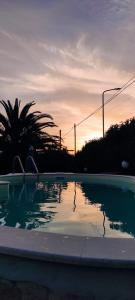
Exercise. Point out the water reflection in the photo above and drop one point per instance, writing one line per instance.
(74, 200)
(70, 208)
(24, 207)
(104, 230)
(116, 204)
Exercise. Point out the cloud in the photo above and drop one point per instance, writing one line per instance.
(65, 53)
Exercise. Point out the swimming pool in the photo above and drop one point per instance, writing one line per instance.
(74, 205)
(59, 253)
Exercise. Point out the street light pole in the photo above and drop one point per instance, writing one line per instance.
(60, 139)
(103, 114)
(75, 139)
(103, 107)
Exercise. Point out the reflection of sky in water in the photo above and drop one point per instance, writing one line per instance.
(70, 208)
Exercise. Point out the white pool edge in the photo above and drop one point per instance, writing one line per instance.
(64, 249)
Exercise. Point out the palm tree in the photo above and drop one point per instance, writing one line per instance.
(20, 129)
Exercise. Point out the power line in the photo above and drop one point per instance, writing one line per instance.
(110, 99)
(68, 131)
(124, 86)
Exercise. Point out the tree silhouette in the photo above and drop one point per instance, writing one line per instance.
(20, 129)
(106, 154)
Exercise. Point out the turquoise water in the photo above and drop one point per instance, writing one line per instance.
(71, 208)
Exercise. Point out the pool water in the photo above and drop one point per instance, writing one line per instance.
(70, 207)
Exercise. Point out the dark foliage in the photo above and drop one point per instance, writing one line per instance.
(106, 154)
(20, 129)
(55, 161)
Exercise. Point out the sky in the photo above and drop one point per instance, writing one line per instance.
(63, 54)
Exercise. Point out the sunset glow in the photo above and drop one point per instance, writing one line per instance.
(63, 54)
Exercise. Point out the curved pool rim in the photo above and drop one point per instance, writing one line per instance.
(67, 249)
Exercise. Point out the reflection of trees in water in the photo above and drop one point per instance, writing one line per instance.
(49, 191)
(24, 207)
(118, 205)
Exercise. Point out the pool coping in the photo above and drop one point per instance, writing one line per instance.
(67, 249)
(75, 250)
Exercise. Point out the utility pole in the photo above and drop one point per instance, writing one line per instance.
(103, 106)
(60, 138)
(103, 114)
(74, 139)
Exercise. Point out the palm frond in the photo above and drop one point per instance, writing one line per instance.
(8, 108)
(4, 122)
(25, 128)
(16, 108)
(25, 109)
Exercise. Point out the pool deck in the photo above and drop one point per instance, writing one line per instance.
(59, 248)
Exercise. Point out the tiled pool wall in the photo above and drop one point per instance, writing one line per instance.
(36, 265)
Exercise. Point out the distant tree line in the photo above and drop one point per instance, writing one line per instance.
(106, 154)
(23, 132)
